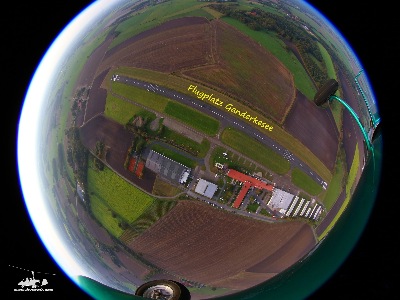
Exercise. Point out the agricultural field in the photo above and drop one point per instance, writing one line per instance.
(226, 245)
(250, 74)
(126, 200)
(107, 218)
(278, 48)
(160, 13)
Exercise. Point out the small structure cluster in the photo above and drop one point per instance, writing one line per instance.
(289, 205)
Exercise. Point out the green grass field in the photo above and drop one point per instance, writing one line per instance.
(253, 149)
(202, 147)
(192, 117)
(305, 182)
(120, 110)
(104, 215)
(123, 198)
(143, 97)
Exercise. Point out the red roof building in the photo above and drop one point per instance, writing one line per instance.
(248, 182)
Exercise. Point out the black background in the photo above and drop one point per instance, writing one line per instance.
(30, 28)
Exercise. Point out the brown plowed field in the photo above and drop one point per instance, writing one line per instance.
(206, 245)
(247, 72)
(315, 128)
(202, 50)
(176, 44)
(119, 140)
(97, 98)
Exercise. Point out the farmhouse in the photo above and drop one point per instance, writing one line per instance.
(167, 168)
(206, 188)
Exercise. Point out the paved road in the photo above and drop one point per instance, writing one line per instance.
(225, 118)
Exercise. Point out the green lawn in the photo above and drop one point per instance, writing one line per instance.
(141, 96)
(305, 182)
(253, 149)
(192, 117)
(120, 110)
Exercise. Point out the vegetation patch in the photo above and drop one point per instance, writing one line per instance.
(305, 182)
(349, 190)
(192, 117)
(250, 147)
(120, 196)
(156, 211)
(107, 218)
(137, 95)
(122, 110)
(165, 189)
(200, 148)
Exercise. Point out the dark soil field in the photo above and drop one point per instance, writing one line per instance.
(169, 47)
(315, 128)
(97, 98)
(119, 140)
(210, 246)
(331, 214)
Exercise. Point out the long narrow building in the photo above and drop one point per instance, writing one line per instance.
(248, 182)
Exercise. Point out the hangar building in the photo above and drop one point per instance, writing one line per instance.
(206, 188)
(167, 168)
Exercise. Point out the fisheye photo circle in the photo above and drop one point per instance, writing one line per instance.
(187, 149)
